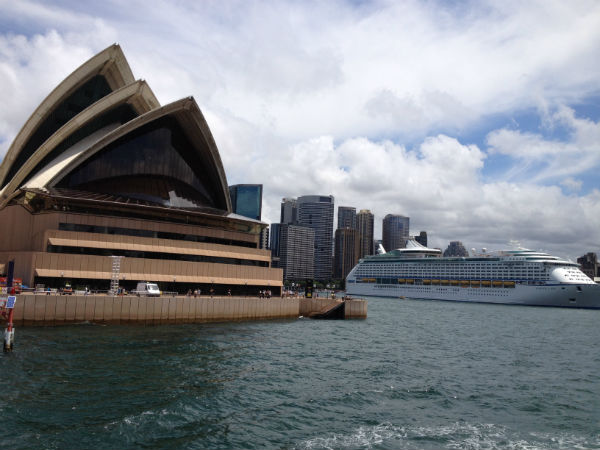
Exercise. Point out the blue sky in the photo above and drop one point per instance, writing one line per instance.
(479, 120)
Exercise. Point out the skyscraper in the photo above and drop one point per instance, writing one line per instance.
(456, 248)
(395, 231)
(289, 210)
(293, 250)
(316, 212)
(365, 224)
(346, 217)
(589, 264)
(274, 235)
(246, 200)
(422, 238)
(346, 251)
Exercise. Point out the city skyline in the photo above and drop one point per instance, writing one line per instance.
(490, 134)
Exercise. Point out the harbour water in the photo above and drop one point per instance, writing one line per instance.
(415, 374)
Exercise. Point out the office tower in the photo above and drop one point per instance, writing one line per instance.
(456, 248)
(589, 264)
(422, 238)
(316, 212)
(395, 231)
(246, 200)
(365, 224)
(275, 249)
(346, 217)
(292, 249)
(289, 211)
(346, 251)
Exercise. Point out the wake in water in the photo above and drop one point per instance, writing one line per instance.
(458, 435)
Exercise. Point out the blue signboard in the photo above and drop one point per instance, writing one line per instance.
(10, 303)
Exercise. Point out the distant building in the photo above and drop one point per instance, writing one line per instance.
(422, 238)
(274, 244)
(289, 211)
(589, 265)
(346, 251)
(246, 200)
(364, 224)
(376, 244)
(265, 238)
(316, 212)
(395, 231)
(292, 249)
(456, 248)
(346, 217)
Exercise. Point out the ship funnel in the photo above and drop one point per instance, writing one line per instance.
(380, 250)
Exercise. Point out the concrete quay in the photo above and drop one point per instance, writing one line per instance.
(51, 310)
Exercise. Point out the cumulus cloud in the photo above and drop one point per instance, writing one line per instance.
(542, 159)
(315, 68)
(572, 184)
(360, 100)
(438, 184)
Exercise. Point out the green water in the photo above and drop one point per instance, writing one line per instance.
(415, 374)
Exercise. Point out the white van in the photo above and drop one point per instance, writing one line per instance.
(147, 289)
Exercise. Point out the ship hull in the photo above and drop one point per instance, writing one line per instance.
(559, 295)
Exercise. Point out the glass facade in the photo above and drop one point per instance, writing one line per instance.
(346, 217)
(119, 115)
(156, 163)
(87, 94)
(395, 231)
(316, 212)
(365, 225)
(246, 200)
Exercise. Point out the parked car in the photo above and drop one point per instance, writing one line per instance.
(146, 289)
(67, 290)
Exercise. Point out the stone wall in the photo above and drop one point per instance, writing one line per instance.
(40, 309)
(64, 309)
(355, 308)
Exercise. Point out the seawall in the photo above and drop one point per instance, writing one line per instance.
(51, 310)
(355, 308)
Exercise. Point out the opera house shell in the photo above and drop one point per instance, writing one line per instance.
(102, 169)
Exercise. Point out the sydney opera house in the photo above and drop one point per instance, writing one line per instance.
(101, 169)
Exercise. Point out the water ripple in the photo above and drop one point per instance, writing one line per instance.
(413, 375)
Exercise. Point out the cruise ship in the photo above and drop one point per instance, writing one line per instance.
(521, 277)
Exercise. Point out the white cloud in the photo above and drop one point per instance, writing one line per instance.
(572, 184)
(313, 68)
(301, 97)
(552, 160)
(438, 184)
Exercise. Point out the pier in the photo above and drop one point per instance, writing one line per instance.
(52, 310)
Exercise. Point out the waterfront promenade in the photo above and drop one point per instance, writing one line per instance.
(50, 310)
